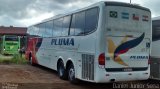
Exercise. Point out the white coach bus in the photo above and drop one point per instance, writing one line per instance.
(155, 52)
(104, 42)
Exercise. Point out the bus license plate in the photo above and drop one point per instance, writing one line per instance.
(127, 69)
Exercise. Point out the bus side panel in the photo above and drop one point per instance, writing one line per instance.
(85, 57)
(155, 55)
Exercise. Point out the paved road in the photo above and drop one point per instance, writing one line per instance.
(37, 77)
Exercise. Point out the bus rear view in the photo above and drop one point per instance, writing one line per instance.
(127, 42)
(104, 42)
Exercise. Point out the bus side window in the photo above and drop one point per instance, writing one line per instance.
(31, 30)
(80, 23)
(66, 23)
(36, 30)
(91, 20)
(155, 31)
(84, 22)
(49, 26)
(57, 30)
(41, 30)
(72, 28)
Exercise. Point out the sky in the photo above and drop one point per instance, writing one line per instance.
(23, 13)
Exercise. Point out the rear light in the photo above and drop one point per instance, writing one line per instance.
(101, 59)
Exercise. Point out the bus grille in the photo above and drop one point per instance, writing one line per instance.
(88, 66)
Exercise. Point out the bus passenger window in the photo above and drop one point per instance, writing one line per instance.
(66, 23)
(80, 23)
(57, 27)
(91, 20)
(49, 28)
(72, 28)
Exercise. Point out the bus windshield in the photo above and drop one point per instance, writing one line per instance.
(11, 38)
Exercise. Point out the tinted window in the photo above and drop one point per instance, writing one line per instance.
(29, 30)
(57, 29)
(79, 23)
(49, 28)
(91, 20)
(11, 38)
(42, 30)
(66, 23)
(72, 25)
(156, 30)
(84, 22)
(36, 30)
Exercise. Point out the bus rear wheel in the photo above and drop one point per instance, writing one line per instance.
(71, 74)
(61, 71)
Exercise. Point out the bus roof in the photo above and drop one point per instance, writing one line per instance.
(126, 5)
(69, 13)
(95, 5)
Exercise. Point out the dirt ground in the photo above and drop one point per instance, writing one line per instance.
(38, 77)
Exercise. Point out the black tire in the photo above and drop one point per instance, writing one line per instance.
(30, 60)
(61, 71)
(71, 74)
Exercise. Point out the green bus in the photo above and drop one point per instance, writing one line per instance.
(9, 44)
